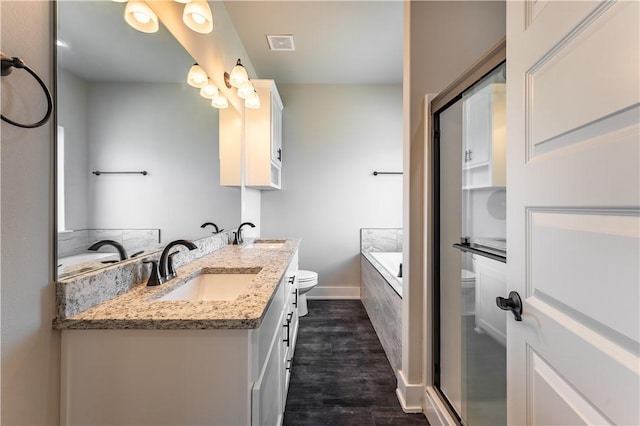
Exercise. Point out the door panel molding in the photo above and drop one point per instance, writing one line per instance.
(559, 241)
(555, 401)
(551, 88)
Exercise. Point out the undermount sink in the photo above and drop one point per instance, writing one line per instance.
(274, 244)
(212, 286)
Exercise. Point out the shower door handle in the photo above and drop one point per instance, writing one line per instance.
(513, 303)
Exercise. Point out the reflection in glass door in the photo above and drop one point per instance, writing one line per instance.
(470, 346)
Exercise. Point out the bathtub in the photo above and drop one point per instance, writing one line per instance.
(388, 264)
(381, 295)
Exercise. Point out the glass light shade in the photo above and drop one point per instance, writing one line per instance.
(238, 76)
(141, 17)
(182, 1)
(197, 77)
(197, 16)
(120, 1)
(219, 101)
(209, 90)
(246, 90)
(252, 101)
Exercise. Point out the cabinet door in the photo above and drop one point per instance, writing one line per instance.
(477, 127)
(276, 131)
(266, 395)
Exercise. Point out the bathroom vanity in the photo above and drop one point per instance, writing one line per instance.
(150, 357)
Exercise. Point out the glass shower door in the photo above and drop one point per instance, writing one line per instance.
(471, 334)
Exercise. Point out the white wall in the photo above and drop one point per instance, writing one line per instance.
(172, 133)
(30, 348)
(443, 39)
(334, 137)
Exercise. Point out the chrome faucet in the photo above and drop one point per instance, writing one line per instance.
(215, 227)
(238, 239)
(121, 251)
(166, 270)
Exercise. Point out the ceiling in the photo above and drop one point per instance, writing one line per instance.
(337, 42)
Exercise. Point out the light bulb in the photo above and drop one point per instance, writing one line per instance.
(198, 19)
(140, 16)
(197, 77)
(197, 16)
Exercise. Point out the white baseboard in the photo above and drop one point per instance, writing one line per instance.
(409, 395)
(435, 411)
(334, 293)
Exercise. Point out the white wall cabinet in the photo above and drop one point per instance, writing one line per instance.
(484, 138)
(263, 138)
(260, 130)
(187, 377)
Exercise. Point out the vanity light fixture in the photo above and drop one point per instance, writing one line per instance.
(238, 76)
(197, 77)
(240, 80)
(197, 16)
(182, 1)
(140, 16)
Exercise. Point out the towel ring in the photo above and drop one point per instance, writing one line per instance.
(7, 63)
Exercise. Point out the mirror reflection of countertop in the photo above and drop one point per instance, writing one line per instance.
(140, 308)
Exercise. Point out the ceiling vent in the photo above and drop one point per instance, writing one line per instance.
(281, 42)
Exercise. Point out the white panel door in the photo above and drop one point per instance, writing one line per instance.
(573, 229)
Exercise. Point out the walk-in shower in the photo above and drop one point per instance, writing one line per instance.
(470, 250)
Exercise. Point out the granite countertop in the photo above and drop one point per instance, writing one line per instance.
(140, 308)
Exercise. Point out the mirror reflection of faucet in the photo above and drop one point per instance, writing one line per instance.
(121, 251)
(215, 227)
(238, 234)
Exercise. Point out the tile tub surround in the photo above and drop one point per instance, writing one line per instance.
(380, 239)
(81, 292)
(384, 307)
(139, 308)
(74, 242)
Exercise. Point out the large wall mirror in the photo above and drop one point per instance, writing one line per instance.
(123, 105)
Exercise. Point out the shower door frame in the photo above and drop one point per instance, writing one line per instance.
(450, 95)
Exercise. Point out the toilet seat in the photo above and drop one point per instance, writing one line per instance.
(305, 276)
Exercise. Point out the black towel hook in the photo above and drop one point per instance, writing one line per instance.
(7, 64)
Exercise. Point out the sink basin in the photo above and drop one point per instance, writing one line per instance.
(274, 244)
(212, 286)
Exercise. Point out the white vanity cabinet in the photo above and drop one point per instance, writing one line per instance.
(182, 377)
(263, 138)
(484, 138)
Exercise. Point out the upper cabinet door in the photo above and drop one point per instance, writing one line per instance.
(484, 137)
(263, 137)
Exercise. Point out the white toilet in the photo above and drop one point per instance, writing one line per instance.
(306, 281)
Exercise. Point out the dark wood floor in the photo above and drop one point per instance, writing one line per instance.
(340, 373)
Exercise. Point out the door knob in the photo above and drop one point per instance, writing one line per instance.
(513, 304)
